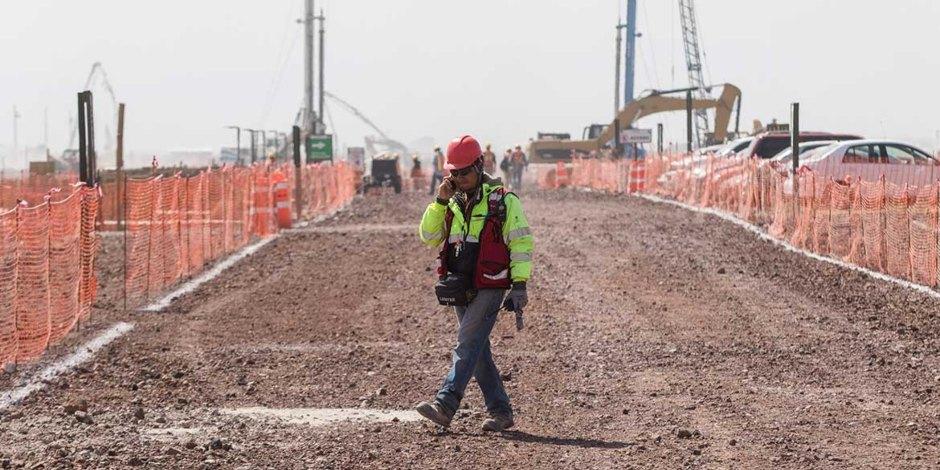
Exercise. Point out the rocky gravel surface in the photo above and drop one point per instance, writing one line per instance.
(655, 338)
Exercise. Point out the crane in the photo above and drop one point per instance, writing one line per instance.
(693, 61)
(383, 138)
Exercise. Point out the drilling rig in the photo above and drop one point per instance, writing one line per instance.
(694, 65)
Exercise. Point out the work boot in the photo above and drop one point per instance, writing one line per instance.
(434, 412)
(498, 422)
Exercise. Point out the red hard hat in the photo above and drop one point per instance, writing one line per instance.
(462, 152)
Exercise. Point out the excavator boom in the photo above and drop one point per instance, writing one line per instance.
(550, 151)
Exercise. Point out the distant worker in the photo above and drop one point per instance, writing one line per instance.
(416, 174)
(437, 169)
(489, 161)
(483, 254)
(504, 166)
(518, 164)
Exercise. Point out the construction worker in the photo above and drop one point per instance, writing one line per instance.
(416, 174)
(437, 168)
(505, 166)
(489, 161)
(485, 239)
(518, 163)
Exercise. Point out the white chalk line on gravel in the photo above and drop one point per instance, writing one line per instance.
(766, 237)
(207, 276)
(355, 228)
(65, 364)
(324, 416)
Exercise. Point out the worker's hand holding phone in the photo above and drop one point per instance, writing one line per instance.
(447, 189)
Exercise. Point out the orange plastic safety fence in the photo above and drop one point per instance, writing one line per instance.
(875, 224)
(8, 334)
(176, 225)
(47, 285)
(897, 234)
(32, 189)
(65, 223)
(923, 226)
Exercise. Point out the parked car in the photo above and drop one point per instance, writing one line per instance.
(768, 144)
(899, 162)
(784, 160)
(732, 148)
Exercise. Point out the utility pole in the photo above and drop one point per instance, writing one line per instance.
(310, 117)
(630, 52)
(254, 155)
(238, 142)
(617, 67)
(322, 64)
(45, 130)
(16, 117)
(264, 145)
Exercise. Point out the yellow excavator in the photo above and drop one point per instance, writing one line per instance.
(555, 147)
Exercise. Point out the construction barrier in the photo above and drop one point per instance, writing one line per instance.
(31, 189)
(177, 225)
(47, 270)
(883, 226)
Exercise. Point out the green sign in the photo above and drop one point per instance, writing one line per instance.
(319, 148)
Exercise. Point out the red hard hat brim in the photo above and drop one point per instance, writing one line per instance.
(451, 166)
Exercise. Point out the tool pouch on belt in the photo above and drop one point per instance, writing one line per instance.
(454, 289)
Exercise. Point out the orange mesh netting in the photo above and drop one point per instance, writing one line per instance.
(176, 225)
(32, 188)
(8, 334)
(47, 282)
(922, 214)
(872, 223)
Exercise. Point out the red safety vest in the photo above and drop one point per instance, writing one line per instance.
(492, 264)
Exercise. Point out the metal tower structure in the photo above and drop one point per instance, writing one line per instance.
(310, 113)
(630, 53)
(693, 60)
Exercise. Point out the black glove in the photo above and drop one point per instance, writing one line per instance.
(517, 298)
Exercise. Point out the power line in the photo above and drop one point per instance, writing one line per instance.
(280, 61)
(277, 80)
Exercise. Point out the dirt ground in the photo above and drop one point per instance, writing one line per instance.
(655, 338)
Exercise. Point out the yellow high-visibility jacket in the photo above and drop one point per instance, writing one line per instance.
(516, 230)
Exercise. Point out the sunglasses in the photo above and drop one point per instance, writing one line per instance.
(461, 172)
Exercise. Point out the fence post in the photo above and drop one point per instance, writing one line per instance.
(124, 178)
(298, 168)
(618, 147)
(688, 120)
(795, 149)
(119, 174)
(86, 138)
(659, 138)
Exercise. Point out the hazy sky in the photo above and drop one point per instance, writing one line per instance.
(502, 70)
